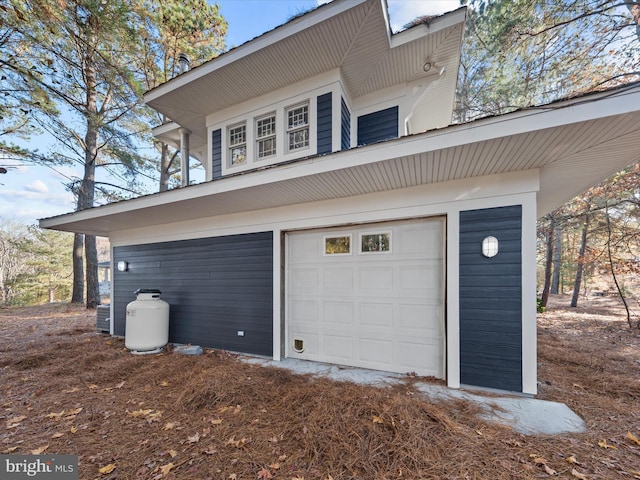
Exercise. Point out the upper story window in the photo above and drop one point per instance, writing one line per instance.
(281, 131)
(237, 144)
(266, 136)
(297, 127)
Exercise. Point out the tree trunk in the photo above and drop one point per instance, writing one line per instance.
(3, 292)
(557, 259)
(165, 167)
(86, 194)
(52, 291)
(548, 264)
(613, 270)
(93, 290)
(579, 272)
(77, 295)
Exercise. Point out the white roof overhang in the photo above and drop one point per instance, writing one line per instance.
(574, 144)
(351, 35)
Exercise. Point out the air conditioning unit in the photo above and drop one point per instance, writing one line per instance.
(103, 321)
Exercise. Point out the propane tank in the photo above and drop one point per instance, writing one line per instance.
(147, 322)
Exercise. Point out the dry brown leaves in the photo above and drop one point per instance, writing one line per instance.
(69, 390)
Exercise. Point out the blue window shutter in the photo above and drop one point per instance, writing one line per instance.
(216, 154)
(324, 123)
(345, 127)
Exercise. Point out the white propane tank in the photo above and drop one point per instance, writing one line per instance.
(147, 323)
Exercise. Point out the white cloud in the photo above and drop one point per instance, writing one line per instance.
(30, 211)
(22, 195)
(33, 201)
(37, 186)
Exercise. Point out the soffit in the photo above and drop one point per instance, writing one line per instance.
(572, 148)
(356, 39)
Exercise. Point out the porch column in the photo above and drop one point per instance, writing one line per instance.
(184, 155)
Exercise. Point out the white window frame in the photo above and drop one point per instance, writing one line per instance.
(375, 252)
(232, 146)
(336, 235)
(271, 136)
(299, 94)
(297, 128)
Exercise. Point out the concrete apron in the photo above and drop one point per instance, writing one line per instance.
(523, 414)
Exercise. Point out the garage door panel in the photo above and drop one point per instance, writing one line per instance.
(340, 313)
(376, 351)
(407, 353)
(420, 238)
(376, 278)
(304, 311)
(303, 245)
(376, 315)
(420, 277)
(305, 277)
(338, 277)
(338, 347)
(381, 309)
(412, 318)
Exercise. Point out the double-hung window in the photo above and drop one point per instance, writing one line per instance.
(237, 144)
(297, 127)
(266, 136)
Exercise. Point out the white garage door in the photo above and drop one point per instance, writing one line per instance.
(368, 296)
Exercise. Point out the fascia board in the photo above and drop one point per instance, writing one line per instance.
(165, 128)
(253, 46)
(581, 110)
(448, 20)
(588, 107)
(387, 20)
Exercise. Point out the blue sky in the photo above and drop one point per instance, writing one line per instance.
(30, 193)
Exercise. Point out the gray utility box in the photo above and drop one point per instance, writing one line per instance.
(103, 321)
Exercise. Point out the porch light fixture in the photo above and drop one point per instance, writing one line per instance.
(429, 65)
(123, 266)
(490, 246)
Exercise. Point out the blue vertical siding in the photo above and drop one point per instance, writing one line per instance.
(324, 123)
(214, 286)
(216, 154)
(491, 299)
(345, 126)
(377, 126)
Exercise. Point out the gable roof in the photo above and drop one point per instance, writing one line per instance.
(351, 35)
(573, 144)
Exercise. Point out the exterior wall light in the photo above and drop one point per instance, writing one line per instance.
(490, 246)
(123, 266)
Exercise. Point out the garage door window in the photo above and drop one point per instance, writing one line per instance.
(337, 245)
(379, 242)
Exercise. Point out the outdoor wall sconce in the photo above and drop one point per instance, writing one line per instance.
(123, 266)
(490, 246)
(429, 65)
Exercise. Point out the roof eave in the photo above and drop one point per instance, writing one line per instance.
(278, 34)
(247, 192)
(442, 22)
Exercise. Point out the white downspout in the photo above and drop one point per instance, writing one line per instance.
(184, 155)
